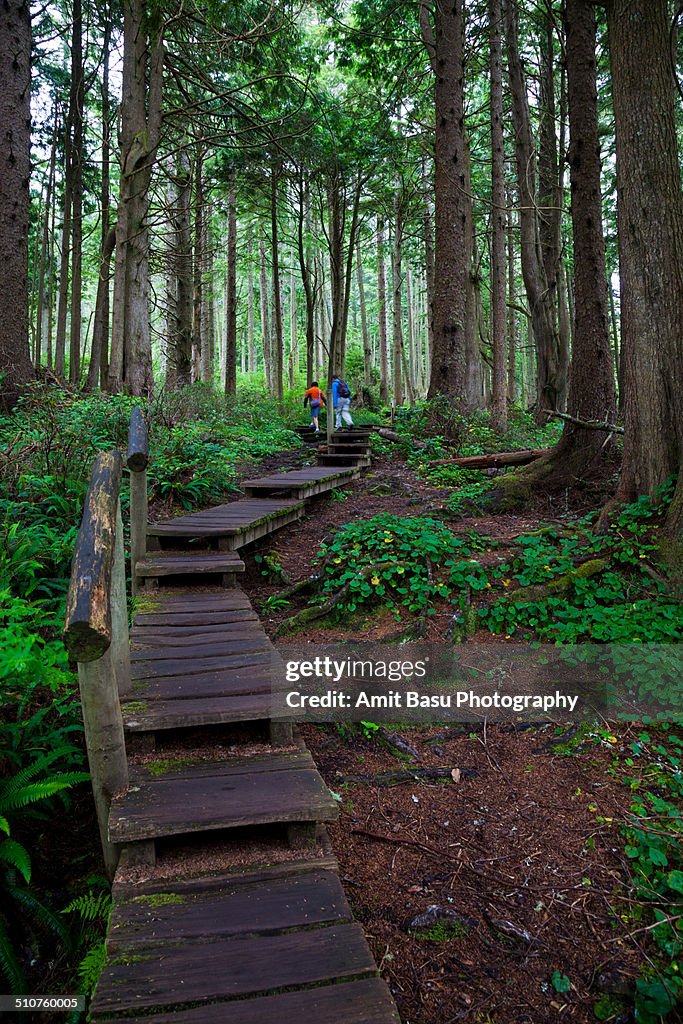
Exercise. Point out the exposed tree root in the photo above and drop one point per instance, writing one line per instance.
(539, 591)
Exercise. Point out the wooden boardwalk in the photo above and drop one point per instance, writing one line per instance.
(268, 935)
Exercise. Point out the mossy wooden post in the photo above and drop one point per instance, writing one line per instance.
(95, 611)
(138, 457)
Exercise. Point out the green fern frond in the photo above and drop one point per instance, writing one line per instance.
(90, 907)
(91, 966)
(4, 825)
(34, 769)
(17, 856)
(10, 968)
(12, 798)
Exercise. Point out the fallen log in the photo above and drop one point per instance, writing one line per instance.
(495, 460)
(560, 585)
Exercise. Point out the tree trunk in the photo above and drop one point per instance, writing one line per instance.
(367, 354)
(428, 238)
(445, 46)
(278, 328)
(551, 371)
(198, 265)
(650, 229)
(231, 297)
(49, 202)
(78, 91)
(382, 304)
(265, 318)
(591, 393)
(131, 349)
(293, 332)
(182, 348)
(251, 344)
(15, 140)
(396, 287)
(99, 354)
(512, 313)
(498, 263)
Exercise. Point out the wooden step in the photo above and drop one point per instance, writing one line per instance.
(277, 788)
(302, 482)
(239, 522)
(195, 563)
(237, 969)
(335, 459)
(203, 909)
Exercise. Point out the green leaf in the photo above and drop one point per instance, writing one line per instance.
(560, 982)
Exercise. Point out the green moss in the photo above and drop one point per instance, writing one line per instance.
(169, 764)
(133, 707)
(159, 899)
(441, 931)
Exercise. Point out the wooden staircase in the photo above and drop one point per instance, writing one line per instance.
(265, 934)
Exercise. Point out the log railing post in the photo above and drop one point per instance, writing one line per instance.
(138, 457)
(96, 636)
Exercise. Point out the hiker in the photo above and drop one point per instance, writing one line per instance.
(316, 398)
(341, 399)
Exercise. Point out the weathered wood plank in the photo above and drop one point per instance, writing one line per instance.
(185, 805)
(197, 631)
(252, 676)
(351, 1002)
(159, 715)
(173, 914)
(238, 967)
(138, 441)
(179, 768)
(88, 629)
(174, 667)
(150, 640)
(197, 564)
(251, 637)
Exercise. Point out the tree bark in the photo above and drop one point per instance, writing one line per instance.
(551, 371)
(231, 297)
(49, 193)
(131, 348)
(99, 354)
(278, 330)
(15, 140)
(382, 304)
(498, 263)
(650, 230)
(265, 317)
(445, 46)
(78, 92)
(367, 352)
(396, 287)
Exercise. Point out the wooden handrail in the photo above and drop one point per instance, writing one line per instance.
(96, 636)
(88, 630)
(138, 458)
(138, 442)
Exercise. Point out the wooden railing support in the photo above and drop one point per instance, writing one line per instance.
(96, 636)
(138, 457)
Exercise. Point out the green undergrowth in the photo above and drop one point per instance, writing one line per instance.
(404, 563)
(651, 765)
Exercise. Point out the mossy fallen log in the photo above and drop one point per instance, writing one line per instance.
(560, 585)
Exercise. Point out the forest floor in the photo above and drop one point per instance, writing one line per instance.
(519, 851)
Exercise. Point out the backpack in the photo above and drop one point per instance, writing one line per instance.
(344, 390)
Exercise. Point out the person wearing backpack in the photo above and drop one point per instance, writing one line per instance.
(315, 397)
(341, 399)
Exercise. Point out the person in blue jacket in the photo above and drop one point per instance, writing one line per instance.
(341, 399)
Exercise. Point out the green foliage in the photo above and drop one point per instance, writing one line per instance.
(401, 562)
(654, 848)
(630, 602)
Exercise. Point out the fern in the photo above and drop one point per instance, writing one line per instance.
(91, 907)
(10, 968)
(91, 966)
(16, 856)
(13, 798)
